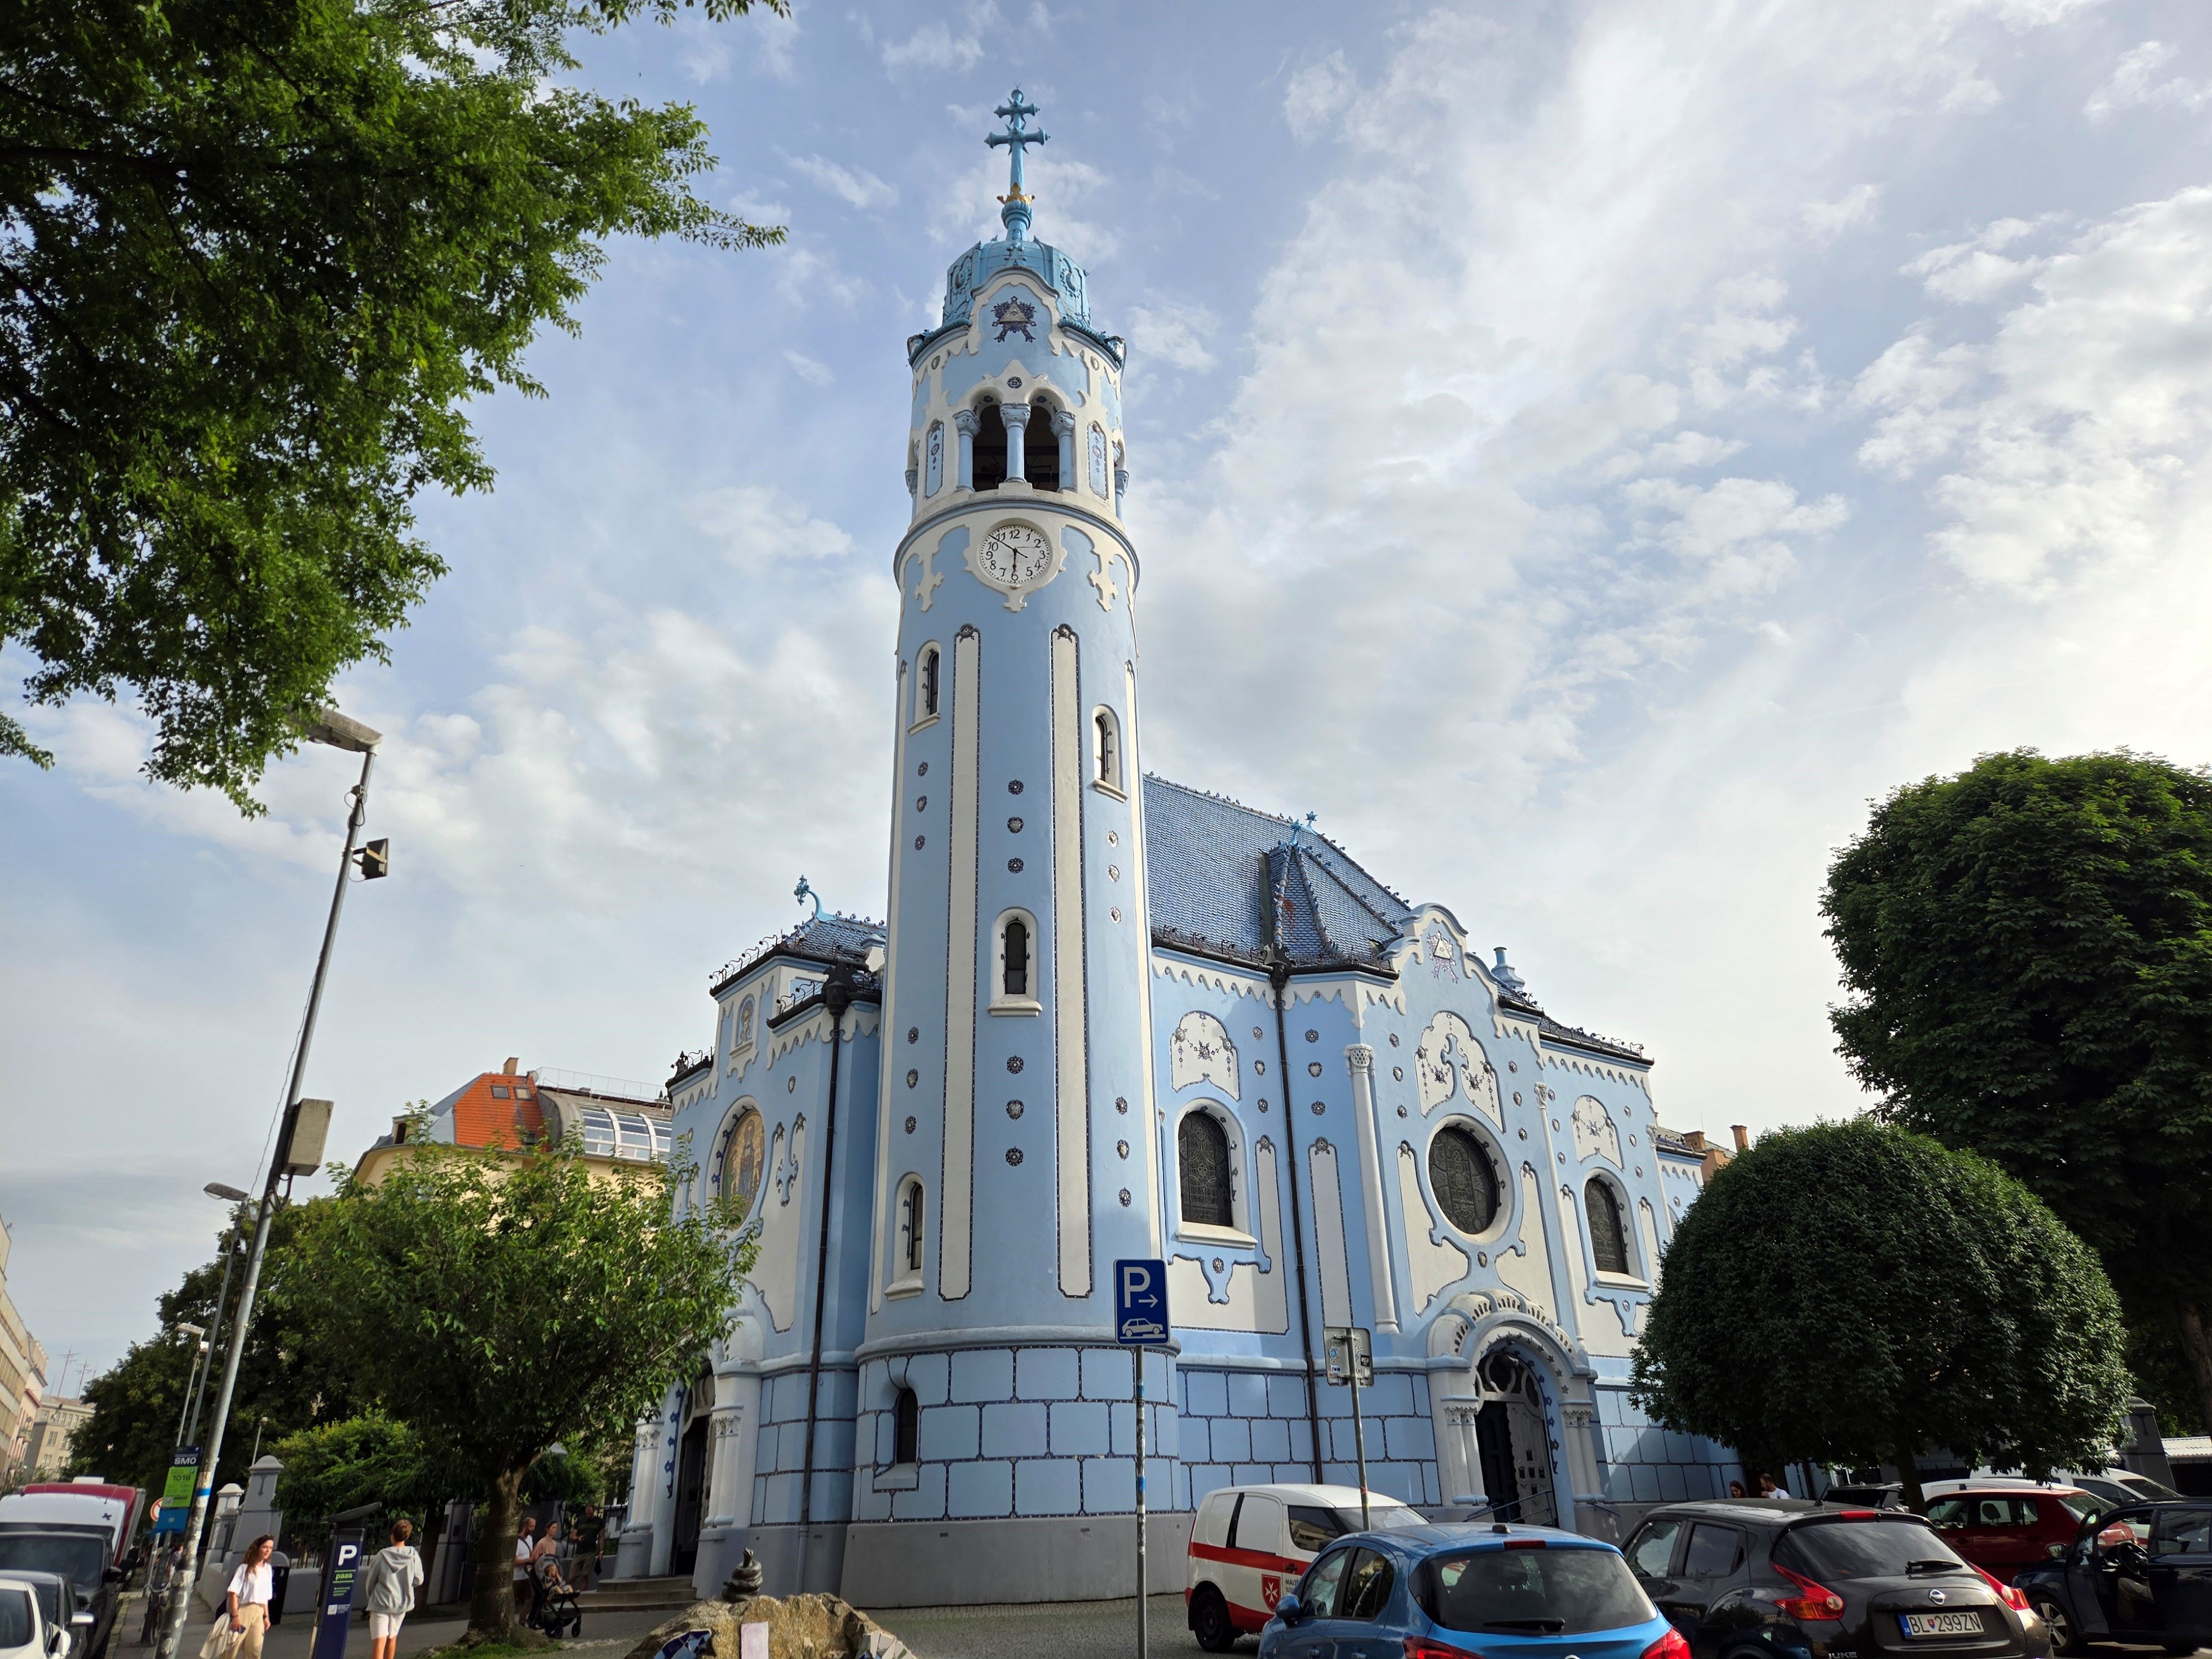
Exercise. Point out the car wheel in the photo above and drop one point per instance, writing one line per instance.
(2065, 1640)
(1209, 1620)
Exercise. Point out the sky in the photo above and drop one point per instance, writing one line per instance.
(1585, 454)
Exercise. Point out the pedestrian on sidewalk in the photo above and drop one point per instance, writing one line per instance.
(237, 1632)
(523, 1555)
(1770, 1487)
(388, 1590)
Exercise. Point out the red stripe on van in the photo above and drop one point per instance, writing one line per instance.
(1259, 1559)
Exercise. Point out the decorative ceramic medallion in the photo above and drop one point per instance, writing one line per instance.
(1015, 314)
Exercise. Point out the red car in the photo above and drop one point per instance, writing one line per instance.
(2002, 1529)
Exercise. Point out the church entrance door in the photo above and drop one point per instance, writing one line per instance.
(1513, 1436)
(691, 1494)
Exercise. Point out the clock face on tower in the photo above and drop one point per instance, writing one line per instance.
(1014, 555)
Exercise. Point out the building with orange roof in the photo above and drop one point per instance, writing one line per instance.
(510, 1110)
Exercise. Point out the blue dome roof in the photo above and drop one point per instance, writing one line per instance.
(975, 268)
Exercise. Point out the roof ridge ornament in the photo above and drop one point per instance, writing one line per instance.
(1014, 211)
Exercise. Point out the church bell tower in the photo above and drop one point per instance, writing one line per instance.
(1015, 1164)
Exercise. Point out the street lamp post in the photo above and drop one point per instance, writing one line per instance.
(334, 729)
(199, 1335)
(197, 1392)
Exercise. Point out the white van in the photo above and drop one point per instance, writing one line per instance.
(1248, 1544)
(109, 1508)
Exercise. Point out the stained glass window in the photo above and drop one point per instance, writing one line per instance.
(906, 1427)
(1608, 1237)
(743, 1161)
(1017, 958)
(1461, 1176)
(1202, 1167)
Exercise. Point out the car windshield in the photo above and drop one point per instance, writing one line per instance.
(1531, 1592)
(2143, 1487)
(1381, 1517)
(1857, 1549)
(16, 1624)
(49, 1592)
(78, 1555)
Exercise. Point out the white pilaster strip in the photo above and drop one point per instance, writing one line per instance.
(1141, 912)
(1072, 1112)
(1361, 1059)
(878, 1223)
(956, 1241)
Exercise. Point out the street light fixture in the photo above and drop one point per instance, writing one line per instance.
(196, 1392)
(327, 727)
(228, 1194)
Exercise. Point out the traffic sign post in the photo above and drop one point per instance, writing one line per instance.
(1351, 1359)
(1140, 1322)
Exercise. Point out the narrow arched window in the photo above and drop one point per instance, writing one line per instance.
(906, 1427)
(1105, 750)
(1202, 1170)
(990, 448)
(910, 1226)
(1015, 957)
(924, 695)
(1608, 1236)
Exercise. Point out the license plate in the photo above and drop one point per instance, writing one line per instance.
(1941, 1624)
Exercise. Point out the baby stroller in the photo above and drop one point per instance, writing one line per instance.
(553, 1609)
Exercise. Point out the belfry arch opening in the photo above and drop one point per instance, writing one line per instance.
(1040, 454)
(990, 448)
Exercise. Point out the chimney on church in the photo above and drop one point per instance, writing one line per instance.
(513, 1060)
(1742, 1137)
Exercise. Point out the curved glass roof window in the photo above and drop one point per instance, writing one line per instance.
(624, 1134)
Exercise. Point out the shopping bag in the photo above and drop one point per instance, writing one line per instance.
(222, 1640)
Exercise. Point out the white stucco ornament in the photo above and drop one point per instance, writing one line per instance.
(1201, 1052)
(1594, 1131)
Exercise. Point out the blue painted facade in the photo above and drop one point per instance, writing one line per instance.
(1110, 1016)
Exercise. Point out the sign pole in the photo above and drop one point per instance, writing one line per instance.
(1359, 1450)
(1144, 1634)
(1140, 1322)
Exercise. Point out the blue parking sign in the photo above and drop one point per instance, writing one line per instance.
(1140, 1301)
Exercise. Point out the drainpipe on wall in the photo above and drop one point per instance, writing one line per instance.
(837, 997)
(1279, 976)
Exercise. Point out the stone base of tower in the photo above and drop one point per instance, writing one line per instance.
(788, 1569)
(1073, 1557)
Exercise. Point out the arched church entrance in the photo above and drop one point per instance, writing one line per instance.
(692, 1475)
(1513, 1436)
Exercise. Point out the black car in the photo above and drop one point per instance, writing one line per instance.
(79, 1554)
(2141, 1573)
(1745, 1578)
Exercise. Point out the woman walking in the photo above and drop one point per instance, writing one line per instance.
(388, 1587)
(238, 1634)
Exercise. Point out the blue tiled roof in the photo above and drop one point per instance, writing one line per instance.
(820, 938)
(1220, 873)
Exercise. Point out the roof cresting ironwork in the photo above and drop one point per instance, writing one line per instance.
(1014, 212)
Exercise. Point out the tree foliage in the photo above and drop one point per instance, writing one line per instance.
(138, 1401)
(255, 256)
(502, 1305)
(1853, 1293)
(2028, 951)
(368, 1459)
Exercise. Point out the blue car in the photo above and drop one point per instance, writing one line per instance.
(1460, 1591)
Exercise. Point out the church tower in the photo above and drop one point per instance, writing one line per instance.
(1016, 1156)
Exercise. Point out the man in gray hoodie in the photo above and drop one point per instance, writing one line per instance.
(388, 1590)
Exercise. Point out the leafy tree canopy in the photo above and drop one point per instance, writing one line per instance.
(2028, 951)
(501, 1305)
(138, 1402)
(255, 255)
(368, 1459)
(1853, 1293)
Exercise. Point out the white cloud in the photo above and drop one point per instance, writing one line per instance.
(856, 186)
(933, 46)
(2135, 85)
(1318, 93)
(812, 370)
(1855, 208)
(1173, 333)
(2070, 438)
(754, 525)
(966, 210)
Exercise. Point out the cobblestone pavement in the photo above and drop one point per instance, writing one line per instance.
(1066, 1630)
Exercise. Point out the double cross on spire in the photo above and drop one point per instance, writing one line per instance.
(1015, 209)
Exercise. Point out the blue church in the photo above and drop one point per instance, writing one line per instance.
(1111, 1015)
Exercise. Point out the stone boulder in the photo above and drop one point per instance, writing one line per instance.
(799, 1627)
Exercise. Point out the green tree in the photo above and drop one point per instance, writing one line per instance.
(2027, 948)
(1853, 1293)
(502, 1305)
(368, 1459)
(255, 256)
(283, 1376)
